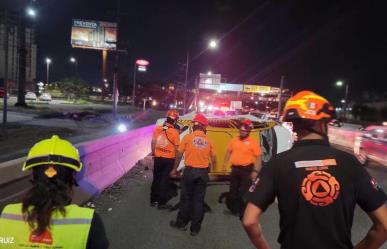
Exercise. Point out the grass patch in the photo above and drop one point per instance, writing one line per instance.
(22, 137)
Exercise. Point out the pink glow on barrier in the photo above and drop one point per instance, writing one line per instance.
(342, 136)
(108, 159)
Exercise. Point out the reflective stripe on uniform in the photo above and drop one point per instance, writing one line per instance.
(53, 221)
(65, 231)
(315, 163)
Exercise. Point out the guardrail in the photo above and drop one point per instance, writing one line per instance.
(105, 160)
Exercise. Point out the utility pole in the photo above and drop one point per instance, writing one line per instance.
(280, 97)
(197, 94)
(134, 84)
(185, 84)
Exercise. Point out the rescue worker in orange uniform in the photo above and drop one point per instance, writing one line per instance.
(165, 143)
(199, 151)
(244, 153)
(317, 187)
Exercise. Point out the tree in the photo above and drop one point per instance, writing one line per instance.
(357, 110)
(73, 87)
(364, 112)
(369, 114)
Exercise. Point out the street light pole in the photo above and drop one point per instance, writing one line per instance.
(280, 97)
(186, 83)
(213, 44)
(197, 94)
(75, 61)
(115, 73)
(48, 62)
(346, 101)
(134, 84)
(340, 84)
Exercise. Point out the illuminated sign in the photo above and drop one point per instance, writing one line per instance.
(256, 89)
(142, 62)
(142, 68)
(93, 35)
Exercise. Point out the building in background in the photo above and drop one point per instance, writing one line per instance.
(9, 19)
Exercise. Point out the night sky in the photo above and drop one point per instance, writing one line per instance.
(313, 43)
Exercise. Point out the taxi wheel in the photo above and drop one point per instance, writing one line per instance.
(362, 157)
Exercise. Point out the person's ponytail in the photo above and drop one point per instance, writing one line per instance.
(45, 197)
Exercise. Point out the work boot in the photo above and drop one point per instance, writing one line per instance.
(177, 226)
(195, 232)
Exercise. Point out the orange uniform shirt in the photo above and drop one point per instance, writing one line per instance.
(165, 141)
(243, 152)
(197, 148)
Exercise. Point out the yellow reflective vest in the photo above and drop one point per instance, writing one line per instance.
(71, 231)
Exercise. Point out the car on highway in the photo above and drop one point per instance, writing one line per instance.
(335, 122)
(2, 92)
(45, 97)
(372, 144)
(30, 96)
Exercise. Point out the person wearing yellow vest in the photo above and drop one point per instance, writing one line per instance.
(164, 145)
(46, 218)
(199, 151)
(244, 153)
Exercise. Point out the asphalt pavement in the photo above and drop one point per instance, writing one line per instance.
(131, 223)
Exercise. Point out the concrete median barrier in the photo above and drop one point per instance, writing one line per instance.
(105, 160)
(343, 137)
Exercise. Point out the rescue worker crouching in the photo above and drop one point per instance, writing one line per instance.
(198, 150)
(317, 187)
(244, 153)
(165, 143)
(46, 218)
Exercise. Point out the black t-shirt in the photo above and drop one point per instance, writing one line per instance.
(97, 235)
(317, 187)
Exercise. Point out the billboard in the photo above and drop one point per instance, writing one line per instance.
(231, 87)
(222, 87)
(256, 89)
(209, 78)
(93, 34)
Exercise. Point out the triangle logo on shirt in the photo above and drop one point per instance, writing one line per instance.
(321, 189)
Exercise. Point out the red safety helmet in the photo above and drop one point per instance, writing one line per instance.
(201, 119)
(173, 114)
(246, 124)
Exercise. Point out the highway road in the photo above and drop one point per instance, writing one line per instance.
(131, 223)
